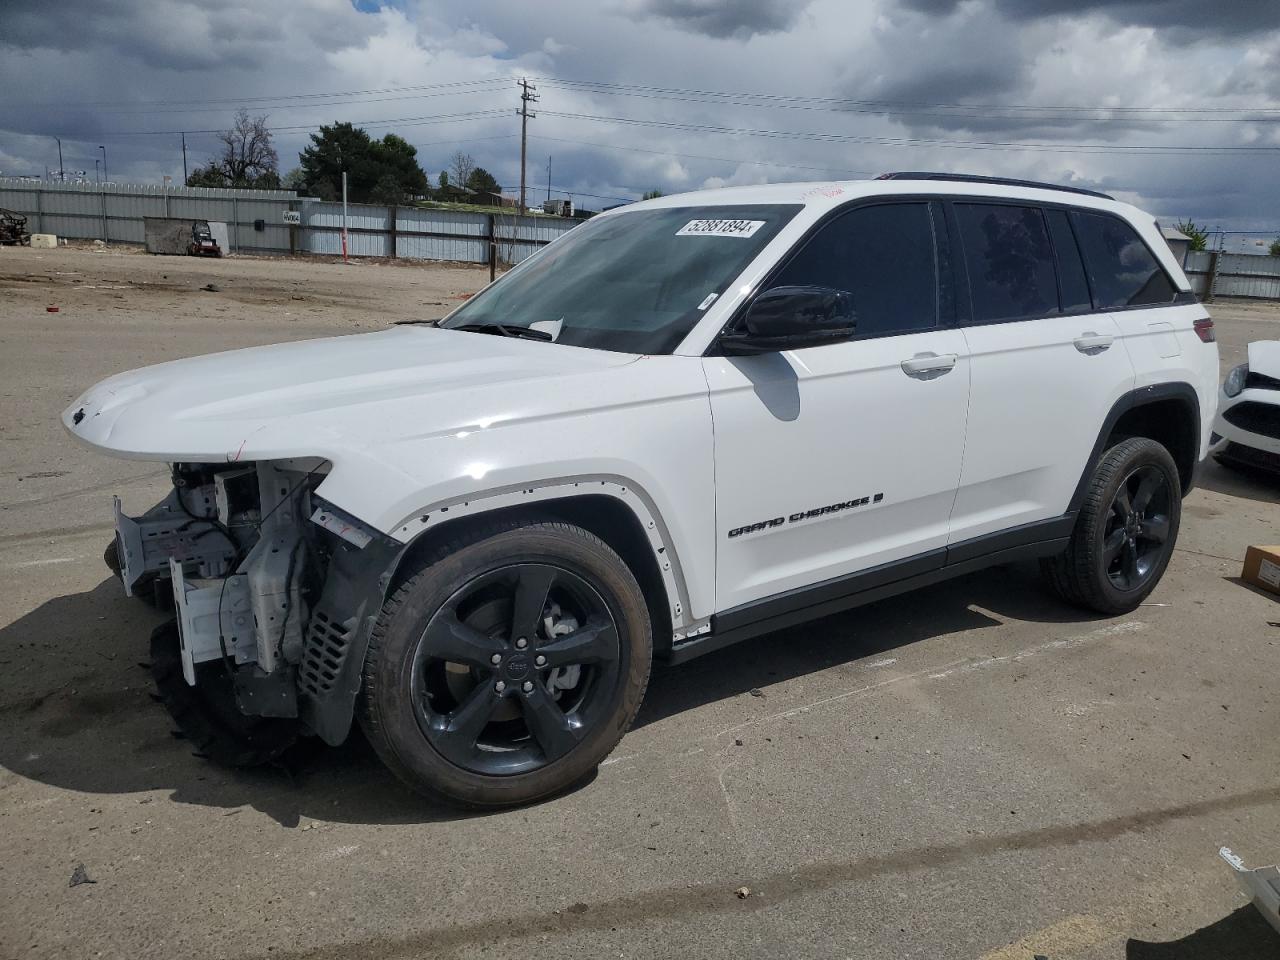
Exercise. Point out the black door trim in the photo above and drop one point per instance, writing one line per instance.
(1039, 539)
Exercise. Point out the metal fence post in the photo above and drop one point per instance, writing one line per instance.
(103, 196)
(493, 247)
(235, 225)
(395, 215)
(1213, 276)
(39, 211)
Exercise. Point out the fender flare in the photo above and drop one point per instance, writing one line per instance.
(632, 495)
(1143, 396)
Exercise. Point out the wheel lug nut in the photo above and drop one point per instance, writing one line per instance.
(527, 687)
(499, 686)
(496, 659)
(521, 643)
(540, 660)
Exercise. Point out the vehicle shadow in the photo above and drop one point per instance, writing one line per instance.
(1014, 591)
(1242, 934)
(76, 710)
(1246, 482)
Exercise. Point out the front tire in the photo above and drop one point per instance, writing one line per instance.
(1125, 533)
(508, 666)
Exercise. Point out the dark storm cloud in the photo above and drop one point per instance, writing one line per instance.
(180, 36)
(723, 18)
(1231, 17)
(91, 71)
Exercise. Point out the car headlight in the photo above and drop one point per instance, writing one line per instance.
(1235, 380)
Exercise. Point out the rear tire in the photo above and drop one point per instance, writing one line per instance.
(469, 696)
(1125, 532)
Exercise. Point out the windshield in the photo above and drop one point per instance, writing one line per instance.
(631, 282)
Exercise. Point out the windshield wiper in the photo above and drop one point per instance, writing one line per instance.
(503, 330)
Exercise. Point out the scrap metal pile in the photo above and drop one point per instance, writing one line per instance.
(13, 229)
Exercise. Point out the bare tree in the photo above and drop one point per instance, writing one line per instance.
(461, 166)
(248, 157)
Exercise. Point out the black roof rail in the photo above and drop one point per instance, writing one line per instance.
(1002, 181)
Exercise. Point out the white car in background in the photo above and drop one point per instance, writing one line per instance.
(1247, 429)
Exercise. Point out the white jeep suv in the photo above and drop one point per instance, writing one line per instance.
(689, 421)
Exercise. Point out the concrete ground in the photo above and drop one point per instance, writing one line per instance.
(975, 770)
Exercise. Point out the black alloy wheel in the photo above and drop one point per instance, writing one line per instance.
(1138, 528)
(507, 664)
(1125, 531)
(514, 668)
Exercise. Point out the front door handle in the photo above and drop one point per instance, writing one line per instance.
(1093, 343)
(927, 366)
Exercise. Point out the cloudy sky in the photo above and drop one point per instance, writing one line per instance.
(1174, 104)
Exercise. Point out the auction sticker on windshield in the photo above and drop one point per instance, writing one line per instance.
(719, 228)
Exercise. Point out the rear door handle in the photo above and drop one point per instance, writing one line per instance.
(927, 366)
(1091, 343)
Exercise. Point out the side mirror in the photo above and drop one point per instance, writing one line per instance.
(789, 318)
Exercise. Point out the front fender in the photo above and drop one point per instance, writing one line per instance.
(645, 439)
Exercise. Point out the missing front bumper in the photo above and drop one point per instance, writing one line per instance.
(1262, 886)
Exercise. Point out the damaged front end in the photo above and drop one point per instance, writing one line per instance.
(1261, 885)
(274, 593)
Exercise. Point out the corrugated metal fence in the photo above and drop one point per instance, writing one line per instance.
(256, 221)
(1214, 274)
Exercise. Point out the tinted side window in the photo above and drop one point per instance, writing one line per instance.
(1122, 271)
(883, 256)
(1072, 286)
(1010, 261)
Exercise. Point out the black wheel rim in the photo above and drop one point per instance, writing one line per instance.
(513, 671)
(1136, 536)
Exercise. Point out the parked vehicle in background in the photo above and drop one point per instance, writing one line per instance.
(1246, 431)
(202, 242)
(475, 535)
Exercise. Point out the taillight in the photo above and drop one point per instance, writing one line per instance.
(1204, 330)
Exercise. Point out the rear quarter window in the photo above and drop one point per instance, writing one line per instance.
(1009, 260)
(1123, 272)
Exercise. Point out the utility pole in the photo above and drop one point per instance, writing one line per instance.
(62, 176)
(344, 216)
(528, 95)
(548, 179)
(184, 158)
(105, 178)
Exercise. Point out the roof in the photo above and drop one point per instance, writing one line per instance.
(820, 195)
(996, 181)
(1173, 233)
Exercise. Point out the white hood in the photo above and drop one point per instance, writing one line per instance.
(1264, 357)
(319, 398)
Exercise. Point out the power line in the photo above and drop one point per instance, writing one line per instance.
(597, 196)
(1139, 149)
(699, 156)
(990, 113)
(399, 121)
(274, 97)
(293, 107)
(844, 102)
